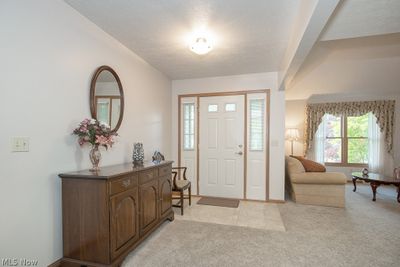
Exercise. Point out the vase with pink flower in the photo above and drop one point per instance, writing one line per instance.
(97, 134)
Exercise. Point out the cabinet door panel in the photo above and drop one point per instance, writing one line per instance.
(149, 201)
(165, 195)
(124, 221)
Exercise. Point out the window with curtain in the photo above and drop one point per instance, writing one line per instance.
(347, 140)
(256, 125)
(188, 126)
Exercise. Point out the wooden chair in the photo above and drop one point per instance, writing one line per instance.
(180, 185)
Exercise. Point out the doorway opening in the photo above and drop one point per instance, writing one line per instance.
(223, 140)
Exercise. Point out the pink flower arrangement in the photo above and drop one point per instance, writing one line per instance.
(94, 132)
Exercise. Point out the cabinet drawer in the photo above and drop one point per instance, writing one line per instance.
(146, 176)
(123, 183)
(164, 171)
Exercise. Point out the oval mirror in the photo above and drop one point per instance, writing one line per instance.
(107, 97)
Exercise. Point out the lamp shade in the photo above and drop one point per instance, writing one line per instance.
(292, 134)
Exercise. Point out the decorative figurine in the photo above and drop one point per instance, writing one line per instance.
(138, 154)
(158, 157)
(365, 172)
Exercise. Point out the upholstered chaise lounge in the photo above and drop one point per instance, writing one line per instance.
(314, 188)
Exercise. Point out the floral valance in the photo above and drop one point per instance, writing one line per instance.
(383, 111)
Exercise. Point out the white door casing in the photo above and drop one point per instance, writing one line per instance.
(221, 146)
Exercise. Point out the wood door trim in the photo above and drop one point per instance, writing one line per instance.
(267, 137)
(197, 146)
(179, 129)
(226, 93)
(229, 93)
(245, 149)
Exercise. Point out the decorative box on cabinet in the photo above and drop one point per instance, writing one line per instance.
(108, 213)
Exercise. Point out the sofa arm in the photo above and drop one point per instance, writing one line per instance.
(318, 178)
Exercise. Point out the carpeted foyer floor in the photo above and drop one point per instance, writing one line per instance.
(365, 233)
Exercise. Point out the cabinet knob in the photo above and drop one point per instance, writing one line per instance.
(126, 183)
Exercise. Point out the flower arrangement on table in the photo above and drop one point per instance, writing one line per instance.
(96, 133)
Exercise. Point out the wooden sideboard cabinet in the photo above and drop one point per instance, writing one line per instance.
(108, 213)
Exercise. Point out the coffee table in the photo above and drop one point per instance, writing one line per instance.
(375, 180)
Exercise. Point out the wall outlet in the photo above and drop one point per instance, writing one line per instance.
(20, 144)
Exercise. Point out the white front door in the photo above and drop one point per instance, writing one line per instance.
(221, 146)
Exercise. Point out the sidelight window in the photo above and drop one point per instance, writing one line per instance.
(188, 126)
(256, 124)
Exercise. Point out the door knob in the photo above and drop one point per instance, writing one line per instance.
(239, 153)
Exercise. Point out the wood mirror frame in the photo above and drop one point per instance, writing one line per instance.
(93, 102)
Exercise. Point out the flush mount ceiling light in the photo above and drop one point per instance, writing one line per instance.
(200, 46)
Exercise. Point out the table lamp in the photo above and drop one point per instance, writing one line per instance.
(292, 134)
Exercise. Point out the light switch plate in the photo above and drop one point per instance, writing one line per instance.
(20, 144)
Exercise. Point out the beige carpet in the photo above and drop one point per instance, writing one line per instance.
(365, 233)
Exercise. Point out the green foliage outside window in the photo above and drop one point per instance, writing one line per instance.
(357, 148)
(333, 144)
(356, 139)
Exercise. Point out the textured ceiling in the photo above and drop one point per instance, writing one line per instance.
(251, 36)
(359, 18)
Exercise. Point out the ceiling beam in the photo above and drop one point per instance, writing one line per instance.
(311, 19)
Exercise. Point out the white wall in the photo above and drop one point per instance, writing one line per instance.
(48, 55)
(240, 83)
(367, 65)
